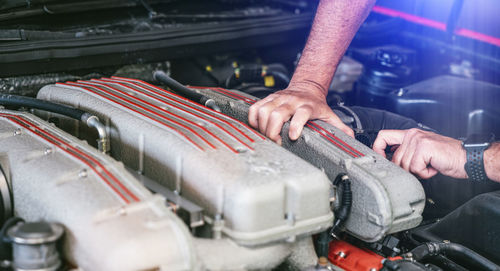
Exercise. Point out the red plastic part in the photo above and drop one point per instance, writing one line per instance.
(351, 258)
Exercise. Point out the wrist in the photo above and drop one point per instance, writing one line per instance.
(476, 145)
(309, 86)
(491, 163)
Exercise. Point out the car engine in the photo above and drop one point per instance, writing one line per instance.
(109, 162)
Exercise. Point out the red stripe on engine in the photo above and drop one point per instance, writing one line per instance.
(187, 105)
(173, 104)
(57, 142)
(93, 83)
(228, 93)
(338, 140)
(189, 101)
(136, 111)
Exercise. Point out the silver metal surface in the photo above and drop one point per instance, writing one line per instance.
(34, 246)
(17, 237)
(386, 198)
(195, 212)
(5, 197)
(260, 192)
(112, 222)
(103, 141)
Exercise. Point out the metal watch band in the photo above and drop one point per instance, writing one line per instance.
(474, 165)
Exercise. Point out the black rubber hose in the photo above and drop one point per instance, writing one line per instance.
(185, 91)
(455, 250)
(18, 101)
(322, 244)
(344, 210)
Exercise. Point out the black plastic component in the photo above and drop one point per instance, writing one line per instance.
(457, 106)
(254, 73)
(184, 91)
(403, 265)
(388, 68)
(168, 43)
(322, 244)
(454, 250)
(476, 224)
(387, 247)
(344, 210)
(20, 101)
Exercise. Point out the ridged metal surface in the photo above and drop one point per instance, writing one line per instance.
(57, 178)
(261, 192)
(386, 198)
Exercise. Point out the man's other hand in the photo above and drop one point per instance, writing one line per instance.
(299, 103)
(423, 153)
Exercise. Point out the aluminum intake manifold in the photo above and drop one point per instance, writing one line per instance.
(112, 222)
(252, 190)
(386, 199)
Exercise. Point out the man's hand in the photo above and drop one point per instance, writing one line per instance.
(423, 153)
(299, 103)
(334, 26)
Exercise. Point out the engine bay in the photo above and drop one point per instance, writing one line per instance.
(125, 142)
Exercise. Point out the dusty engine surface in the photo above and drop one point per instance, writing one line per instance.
(57, 177)
(259, 191)
(252, 198)
(386, 198)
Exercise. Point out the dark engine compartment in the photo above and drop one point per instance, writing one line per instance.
(398, 62)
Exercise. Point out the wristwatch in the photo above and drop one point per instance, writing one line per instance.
(475, 145)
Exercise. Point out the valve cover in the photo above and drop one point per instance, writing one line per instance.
(253, 190)
(386, 199)
(56, 177)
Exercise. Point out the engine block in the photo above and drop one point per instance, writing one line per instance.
(386, 199)
(253, 190)
(56, 177)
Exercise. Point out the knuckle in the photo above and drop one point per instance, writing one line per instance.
(413, 131)
(276, 115)
(263, 110)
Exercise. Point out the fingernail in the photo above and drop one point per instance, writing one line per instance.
(279, 141)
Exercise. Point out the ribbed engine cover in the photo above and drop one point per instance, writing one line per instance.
(260, 191)
(386, 199)
(112, 222)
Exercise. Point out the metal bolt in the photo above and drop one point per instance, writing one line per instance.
(83, 173)
(341, 254)
(241, 149)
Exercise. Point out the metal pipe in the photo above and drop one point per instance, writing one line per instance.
(92, 121)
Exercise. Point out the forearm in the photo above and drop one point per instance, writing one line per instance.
(491, 160)
(334, 26)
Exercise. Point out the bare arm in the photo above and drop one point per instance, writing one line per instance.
(334, 26)
(491, 160)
